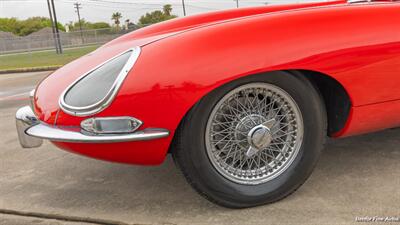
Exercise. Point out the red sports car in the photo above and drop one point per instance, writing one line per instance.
(243, 99)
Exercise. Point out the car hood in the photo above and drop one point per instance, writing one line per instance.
(50, 89)
(161, 30)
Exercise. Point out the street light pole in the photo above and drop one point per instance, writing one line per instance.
(237, 3)
(57, 31)
(184, 8)
(52, 27)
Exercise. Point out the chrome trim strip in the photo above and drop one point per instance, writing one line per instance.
(58, 134)
(106, 101)
(31, 132)
(358, 1)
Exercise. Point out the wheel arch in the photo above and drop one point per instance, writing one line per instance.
(337, 100)
(334, 95)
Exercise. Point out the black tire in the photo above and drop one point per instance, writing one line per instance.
(189, 150)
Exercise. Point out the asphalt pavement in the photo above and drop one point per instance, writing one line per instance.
(356, 177)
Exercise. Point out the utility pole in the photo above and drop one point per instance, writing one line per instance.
(53, 27)
(237, 3)
(184, 8)
(57, 31)
(77, 7)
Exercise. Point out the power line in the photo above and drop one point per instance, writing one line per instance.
(77, 7)
(135, 4)
(120, 2)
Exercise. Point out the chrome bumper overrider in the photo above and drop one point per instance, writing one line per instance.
(31, 132)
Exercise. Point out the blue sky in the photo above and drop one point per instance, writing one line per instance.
(101, 10)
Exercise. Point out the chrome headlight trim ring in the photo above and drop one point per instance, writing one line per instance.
(109, 97)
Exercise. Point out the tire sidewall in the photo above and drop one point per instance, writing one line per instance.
(210, 181)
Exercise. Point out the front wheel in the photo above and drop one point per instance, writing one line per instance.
(252, 141)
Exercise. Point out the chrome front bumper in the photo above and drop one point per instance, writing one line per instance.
(31, 132)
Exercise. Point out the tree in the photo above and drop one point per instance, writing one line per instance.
(167, 9)
(87, 25)
(116, 17)
(157, 16)
(26, 27)
(98, 25)
(10, 25)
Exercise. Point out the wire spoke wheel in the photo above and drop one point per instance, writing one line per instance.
(254, 133)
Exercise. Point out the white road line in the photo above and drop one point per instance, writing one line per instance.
(13, 96)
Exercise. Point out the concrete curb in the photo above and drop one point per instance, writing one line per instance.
(33, 69)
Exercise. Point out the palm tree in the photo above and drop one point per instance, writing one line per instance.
(116, 17)
(167, 9)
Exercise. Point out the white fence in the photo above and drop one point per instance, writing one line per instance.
(44, 41)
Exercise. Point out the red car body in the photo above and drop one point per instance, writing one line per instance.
(182, 60)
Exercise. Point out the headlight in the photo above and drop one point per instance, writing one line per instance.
(96, 89)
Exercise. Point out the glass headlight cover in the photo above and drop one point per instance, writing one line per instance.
(96, 89)
(111, 125)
